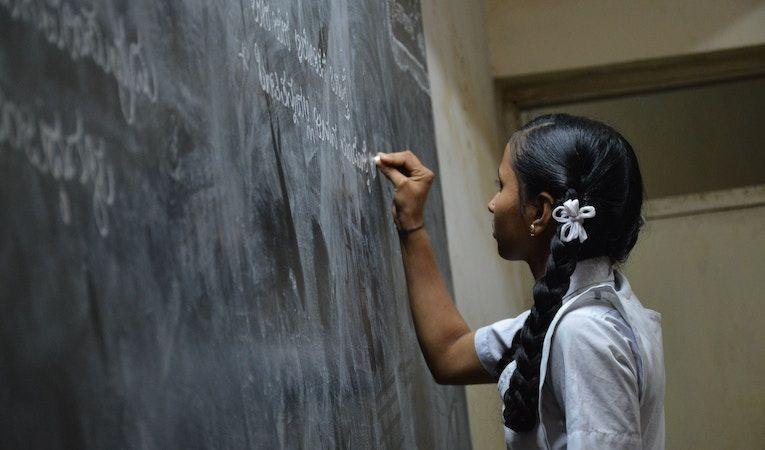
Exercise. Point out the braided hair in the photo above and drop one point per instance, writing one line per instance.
(568, 157)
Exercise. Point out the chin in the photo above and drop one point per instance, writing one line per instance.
(505, 252)
(502, 252)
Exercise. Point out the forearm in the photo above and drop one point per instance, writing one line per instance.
(437, 321)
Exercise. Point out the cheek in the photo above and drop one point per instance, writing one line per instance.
(509, 209)
(510, 240)
(508, 218)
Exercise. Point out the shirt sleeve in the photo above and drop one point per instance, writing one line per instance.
(594, 375)
(493, 340)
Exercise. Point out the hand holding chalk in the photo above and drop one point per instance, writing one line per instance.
(411, 183)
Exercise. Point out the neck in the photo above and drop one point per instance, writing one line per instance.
(538, 265)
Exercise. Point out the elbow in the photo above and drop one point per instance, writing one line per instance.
(439, 379)
(448, 381)
(438, 375)
(442, 377)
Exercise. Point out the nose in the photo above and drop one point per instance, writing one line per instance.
(492, 203)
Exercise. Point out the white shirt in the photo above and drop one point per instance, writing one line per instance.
(602, 370)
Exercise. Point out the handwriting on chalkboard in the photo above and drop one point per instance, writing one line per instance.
(282, 87)
(78, 32)
(287, 92)
(73, 156)
(404, 20)
(273, 21)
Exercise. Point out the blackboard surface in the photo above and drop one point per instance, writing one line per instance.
(195, 249)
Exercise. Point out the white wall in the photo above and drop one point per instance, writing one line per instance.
(486, 287)
(530, 36)
(703, 272)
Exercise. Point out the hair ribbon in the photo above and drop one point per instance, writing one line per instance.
(572, 217)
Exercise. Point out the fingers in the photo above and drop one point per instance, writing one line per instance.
(393, 174)
(405, 159)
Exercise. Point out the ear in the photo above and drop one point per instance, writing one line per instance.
(542, 213)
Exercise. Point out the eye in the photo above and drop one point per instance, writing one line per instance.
(498, 184)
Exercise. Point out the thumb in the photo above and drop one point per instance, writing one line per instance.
(393, 174)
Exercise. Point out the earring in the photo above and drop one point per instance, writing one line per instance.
(532, 229)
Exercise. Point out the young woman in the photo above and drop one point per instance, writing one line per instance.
(583, 368)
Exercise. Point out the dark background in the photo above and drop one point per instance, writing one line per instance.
(181, 265)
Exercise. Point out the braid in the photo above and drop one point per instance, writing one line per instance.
(522, 396)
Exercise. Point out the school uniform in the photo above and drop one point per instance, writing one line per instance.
(602, 371)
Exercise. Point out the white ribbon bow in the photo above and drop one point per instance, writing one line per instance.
(572, 217)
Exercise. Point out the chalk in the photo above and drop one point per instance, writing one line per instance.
(376, 160)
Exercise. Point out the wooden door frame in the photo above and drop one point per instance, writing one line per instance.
(518, 93)
(704, 202)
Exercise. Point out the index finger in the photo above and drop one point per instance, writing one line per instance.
(405, 159)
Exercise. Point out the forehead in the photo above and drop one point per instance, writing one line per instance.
(505, 168)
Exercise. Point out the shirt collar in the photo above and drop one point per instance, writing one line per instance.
(589, 272)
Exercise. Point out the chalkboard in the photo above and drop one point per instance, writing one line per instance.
(195, 248)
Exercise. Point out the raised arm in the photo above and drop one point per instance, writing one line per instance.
(445, 339)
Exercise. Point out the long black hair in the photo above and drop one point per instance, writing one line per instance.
(568, 157)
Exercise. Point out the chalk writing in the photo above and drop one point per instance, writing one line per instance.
(283, 89)
(406, 19)
(304, 51)
(79, 33)
(408, 42)
(319, 125)
(316, 59)
(74, 156)
(272, 20)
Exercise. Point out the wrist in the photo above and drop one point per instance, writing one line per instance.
(409, 220)
(406, 232)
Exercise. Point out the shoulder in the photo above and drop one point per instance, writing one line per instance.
(492, 341)
(501, 332)
(593, 352)
(507, 326)
(595, 326)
